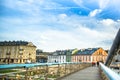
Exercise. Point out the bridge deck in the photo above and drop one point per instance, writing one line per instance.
(90, 73)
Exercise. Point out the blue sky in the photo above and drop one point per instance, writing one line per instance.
(60, 24)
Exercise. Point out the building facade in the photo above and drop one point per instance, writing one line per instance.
(61, 56)
(17, 52)
(41, 57)
(57, 57)
(90, 55)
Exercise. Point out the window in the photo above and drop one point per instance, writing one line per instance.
(21, 49)
(20, 53)
(60, 57)
(86, 58)
(93, 58)
(0, 51)
(89, 58)
(8, 53)
(79, 59)
(16, 60)
(23, 60)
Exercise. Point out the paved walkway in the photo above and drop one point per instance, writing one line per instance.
(90, 73)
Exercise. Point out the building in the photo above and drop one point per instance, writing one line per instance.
(61, 56)
(41, 56)
(90, 55)
(57, 56)
(17, 52)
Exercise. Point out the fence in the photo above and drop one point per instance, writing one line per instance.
(39, 71)
(107, 73)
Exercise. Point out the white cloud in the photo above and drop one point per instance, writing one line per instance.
(79, 2)
(62, 16)
(103, 3)
(94, 12)
(79, 32)
(80, 36)
(108, 22)
(44, 29)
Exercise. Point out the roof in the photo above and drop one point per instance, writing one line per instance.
(88, 51)
(60, 52)
(15, 43)
(63, 52)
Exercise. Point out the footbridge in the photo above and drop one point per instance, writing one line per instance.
(110, 70)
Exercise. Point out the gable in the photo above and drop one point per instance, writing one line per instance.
(100, 51)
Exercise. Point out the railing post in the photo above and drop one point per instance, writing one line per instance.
(58, 71)
(69, 68)
(26, 75)
(46, 75)
(79, 66)
(65, 69)
(3, 77)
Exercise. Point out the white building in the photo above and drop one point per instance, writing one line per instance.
(58, 57)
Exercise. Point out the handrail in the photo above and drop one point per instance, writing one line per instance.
(111, 75)
(113, 49)
(40, 70)
(5, 66)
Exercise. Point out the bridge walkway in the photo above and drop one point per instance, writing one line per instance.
(90, 73)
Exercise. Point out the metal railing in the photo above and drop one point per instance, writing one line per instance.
(107, 73)
(39, 71)
(115, 46)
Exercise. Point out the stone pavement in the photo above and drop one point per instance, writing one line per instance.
(90, 73)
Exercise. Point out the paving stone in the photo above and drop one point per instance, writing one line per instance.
(90, 73)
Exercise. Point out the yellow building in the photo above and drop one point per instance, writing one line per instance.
(17, 52)
(90, 55)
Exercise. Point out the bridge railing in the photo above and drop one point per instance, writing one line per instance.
(107, 73)
(39, 71)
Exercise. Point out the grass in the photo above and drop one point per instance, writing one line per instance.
(52, 76)
(7, 71)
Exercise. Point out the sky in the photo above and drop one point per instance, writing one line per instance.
(60, 24)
